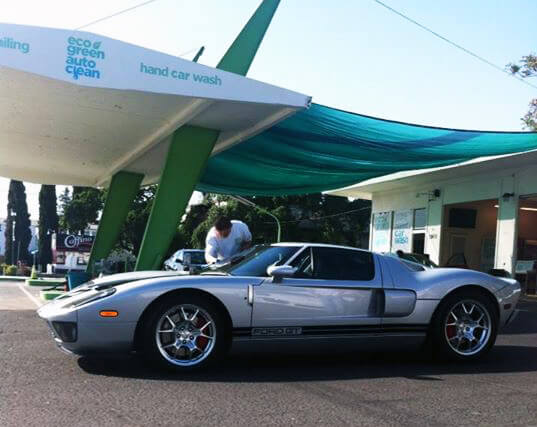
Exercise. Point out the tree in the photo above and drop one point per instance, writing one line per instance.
(308, 218)
(65, 199)
(132, 233)
(527, 67)
(48, 223)
(17, 211)
(81, 209)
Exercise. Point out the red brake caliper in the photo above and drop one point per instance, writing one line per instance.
(451, 330)
(202, 341)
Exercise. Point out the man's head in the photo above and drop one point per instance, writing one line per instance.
(222, 225)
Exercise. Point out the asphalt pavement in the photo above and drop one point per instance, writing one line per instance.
(41, 386)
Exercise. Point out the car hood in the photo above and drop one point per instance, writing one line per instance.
(121, 278)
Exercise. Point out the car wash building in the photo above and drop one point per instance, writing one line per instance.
(480, 214)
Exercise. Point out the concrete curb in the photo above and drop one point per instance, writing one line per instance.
(50, 295)
(46, 282)
(14, 278)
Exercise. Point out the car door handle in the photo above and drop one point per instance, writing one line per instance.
(250, 296)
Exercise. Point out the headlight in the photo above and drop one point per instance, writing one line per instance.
(93, 297)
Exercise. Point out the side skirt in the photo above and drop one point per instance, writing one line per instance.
(339, 338)
(301, 332)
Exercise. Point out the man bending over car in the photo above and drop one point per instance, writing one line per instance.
(226, 239)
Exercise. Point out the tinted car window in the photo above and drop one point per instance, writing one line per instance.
(303, 265)
(342, 264)
(257, 262)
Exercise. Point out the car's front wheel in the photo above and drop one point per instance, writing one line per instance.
(184, 333)
(465, 326)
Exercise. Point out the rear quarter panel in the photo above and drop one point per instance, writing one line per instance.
(432, 285)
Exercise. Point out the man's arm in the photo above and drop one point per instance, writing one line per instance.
(211, 255)
(246, 238)
(211, 251)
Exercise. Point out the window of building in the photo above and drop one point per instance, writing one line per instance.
(420, 218)
(418, 231)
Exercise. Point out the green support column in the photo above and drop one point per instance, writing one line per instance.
(121, 193)
(241, 53)
(191, 147)
(187, 156)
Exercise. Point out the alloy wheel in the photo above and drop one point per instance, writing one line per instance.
(467, 327)
(185, 335)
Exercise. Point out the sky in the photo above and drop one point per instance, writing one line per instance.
(349, 54)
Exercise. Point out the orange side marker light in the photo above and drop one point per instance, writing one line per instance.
(108, 313)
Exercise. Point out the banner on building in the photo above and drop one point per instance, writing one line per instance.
(382, 223)
(402, 231)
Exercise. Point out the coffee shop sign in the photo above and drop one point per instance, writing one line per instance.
(73, 242)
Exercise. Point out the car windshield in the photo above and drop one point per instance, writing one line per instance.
(256, 261)
(197, 257)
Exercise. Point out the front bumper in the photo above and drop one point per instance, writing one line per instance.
(87, 337)
(507, 300)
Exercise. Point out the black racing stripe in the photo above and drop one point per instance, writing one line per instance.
(241, 332)
(343, 329)
(361, 329)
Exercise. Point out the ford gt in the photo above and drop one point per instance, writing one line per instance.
(284, 295)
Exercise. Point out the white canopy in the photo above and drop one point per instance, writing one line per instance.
(77, 107)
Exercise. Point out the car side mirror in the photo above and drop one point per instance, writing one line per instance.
(278, 272)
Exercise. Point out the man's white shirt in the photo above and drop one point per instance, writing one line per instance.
(220, 249)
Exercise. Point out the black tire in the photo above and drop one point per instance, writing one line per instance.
(443, 334)
(152, 347)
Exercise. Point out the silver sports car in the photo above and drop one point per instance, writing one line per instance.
(284, 295)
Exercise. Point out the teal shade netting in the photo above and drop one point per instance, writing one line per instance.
(322, 149)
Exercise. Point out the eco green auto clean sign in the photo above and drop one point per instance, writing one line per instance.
(92, 60)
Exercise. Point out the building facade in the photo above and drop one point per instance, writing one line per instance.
(481, 214)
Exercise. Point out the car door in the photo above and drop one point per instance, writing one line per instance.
(332, 286)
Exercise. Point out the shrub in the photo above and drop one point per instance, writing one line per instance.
(10, 270)
(119, 260)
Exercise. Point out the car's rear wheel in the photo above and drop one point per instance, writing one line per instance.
(185, 333)
(465, 326)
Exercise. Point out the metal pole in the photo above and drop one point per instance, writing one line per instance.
(13, 224)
